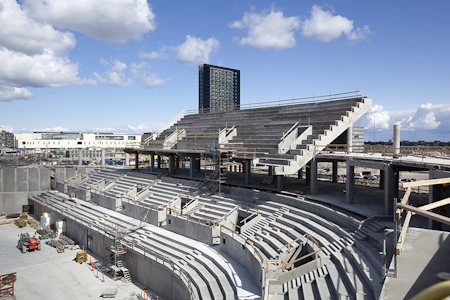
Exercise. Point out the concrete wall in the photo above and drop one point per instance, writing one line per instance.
(65, 172)
(142, 269)
(105, 201)
(16, 183)
(243, 256)
(138, 212)
(198, 232)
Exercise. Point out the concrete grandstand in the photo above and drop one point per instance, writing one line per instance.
(219, 211)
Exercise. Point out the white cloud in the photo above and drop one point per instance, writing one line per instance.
(40, 70)
(161, 54)
(115, 75)
(268, 30)
(33, 54)
(109, 20)
(153, 80)
(21, 34)
(325, 26)
(145, 127)
(52, 129)
(197, 51)
(8, 93)
(429, 121)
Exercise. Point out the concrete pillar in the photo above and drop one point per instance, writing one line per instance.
(308, 174)
(280, 182)
(270, 171)
(80, 157)
(171, 163)
(334, 177)
(158, 159)
(136, 161)
(127, 159)
(350, 184)
(300, 173)
(191, 166)
(247, 171)
(396, 143)
(350, 139)
(389, 189)
(103, 156)
(177, 162)
(152, 162)
(381, 180)
(313, 177)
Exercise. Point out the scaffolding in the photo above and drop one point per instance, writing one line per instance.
(114, 241)
(216, 166)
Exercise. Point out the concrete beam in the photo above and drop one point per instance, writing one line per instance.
(247, 171)
(335, 172)
(350, 184)
(366, 164)
(280, 182)
(389, 189)
(313, 177)
(152, 162)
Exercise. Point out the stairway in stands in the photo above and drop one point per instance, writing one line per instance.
(301, 152)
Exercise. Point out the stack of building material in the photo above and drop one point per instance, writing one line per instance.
(46, 220)
(61, 227)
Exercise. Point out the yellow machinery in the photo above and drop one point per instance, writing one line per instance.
(81, 257)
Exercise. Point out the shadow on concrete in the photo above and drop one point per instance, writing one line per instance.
(440, 262)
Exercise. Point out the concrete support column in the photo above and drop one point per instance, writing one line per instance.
(381, 179)
(136, 161)
(308, 174)
(300, 173)
(198, 164)
(247, 171)
(171, 163)
(313, 177)
(350, 139)
(127, 159)
(280, 182)
(335, 172)
(389, 189)
(80, 157)
(177, 162)
(191, 166)
(350, 184)
(396, 143)
(438, 192)
(152, 162)
(103, 156)
(158, 160)
(270, 171)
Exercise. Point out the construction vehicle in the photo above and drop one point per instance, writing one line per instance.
(81, 257)
(27, 243)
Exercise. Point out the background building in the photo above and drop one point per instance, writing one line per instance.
(75, 140)
(219, 88)
(6, 136)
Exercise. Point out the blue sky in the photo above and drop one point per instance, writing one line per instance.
(132, 65)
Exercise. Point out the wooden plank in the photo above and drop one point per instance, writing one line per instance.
(403, 233)
(426, 182)
(436, 204)
(428, 214)
(404, 201)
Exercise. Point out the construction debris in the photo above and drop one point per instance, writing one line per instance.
(60, 244)
(109, 293)
(20, 223)
(12, 216)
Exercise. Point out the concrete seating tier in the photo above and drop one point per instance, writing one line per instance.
(268, 122)
(210, 279)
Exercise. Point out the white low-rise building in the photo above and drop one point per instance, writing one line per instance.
(75, 140)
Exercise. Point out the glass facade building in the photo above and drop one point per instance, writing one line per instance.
(219, 88)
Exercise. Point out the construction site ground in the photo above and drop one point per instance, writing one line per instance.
(47, 274)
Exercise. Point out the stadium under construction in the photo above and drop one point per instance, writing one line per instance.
(233, 205)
